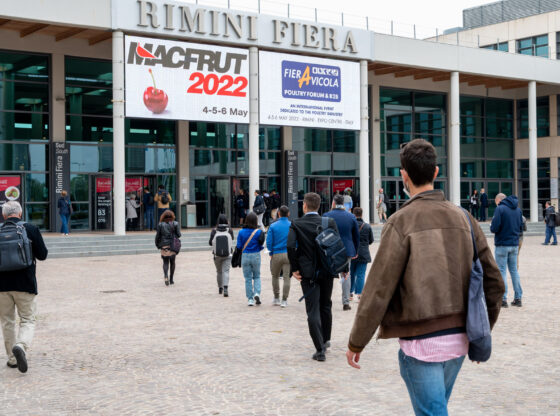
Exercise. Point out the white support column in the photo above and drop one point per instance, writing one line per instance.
(364, 142)
(119, 218)
(454, 141)
(254, 174)
(533, 182)
(375, 149)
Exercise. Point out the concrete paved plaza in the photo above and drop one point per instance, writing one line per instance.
(111, 339)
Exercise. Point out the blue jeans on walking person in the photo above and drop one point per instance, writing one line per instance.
(251, 264)
(357, 276)
(149, 218)
(64, 228)
(550, 232)
(429, 384)
(506, 257)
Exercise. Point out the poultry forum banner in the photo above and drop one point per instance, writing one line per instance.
(186, 81)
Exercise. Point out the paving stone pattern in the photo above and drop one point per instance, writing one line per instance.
(184, 350)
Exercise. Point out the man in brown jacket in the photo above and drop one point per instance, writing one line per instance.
(417, 288)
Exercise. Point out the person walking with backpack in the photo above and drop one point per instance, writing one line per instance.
(148, 202)
(167, 231)
(221, 240)
(276, 242)
(425, 255)
(163, 200)
(18, 283)
(550, 222)
(64, 210)
(275, 201)
(358, 265)
(316, 282)
(507, 226)
(259, 208)
(350, 234)
(250, 241)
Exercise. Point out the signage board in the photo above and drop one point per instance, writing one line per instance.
(186, 81)
(103, 203)
(308, 92)
(292, 182)
(10, 189)
(553, 188)
(340, 185)
(60, 178)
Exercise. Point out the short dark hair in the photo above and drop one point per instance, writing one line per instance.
(312, 200)
(283, 211)
(161, 187)
(167, 216)
(222, 219)
(419, 160)
(339, 199)
(358, 211)
(252, 220)
(547, 202)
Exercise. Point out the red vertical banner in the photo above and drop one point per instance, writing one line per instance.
(103, 203)
(10, 189)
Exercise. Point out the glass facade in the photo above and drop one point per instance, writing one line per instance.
(502, 46)
(543, 178)
(25, 130)
(535, 46)
(543, 118)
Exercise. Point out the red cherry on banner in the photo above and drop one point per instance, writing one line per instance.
(155, 99)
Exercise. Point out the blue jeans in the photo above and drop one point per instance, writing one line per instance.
(357, 276)
(149, 218)
(64, 218)
(506, 256)
(429, 385)
(550, 232)
(251, 264)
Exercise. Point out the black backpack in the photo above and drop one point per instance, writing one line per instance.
(150, 199)
(332, 251)
(15, 247)
(222, 243)
(164, 198)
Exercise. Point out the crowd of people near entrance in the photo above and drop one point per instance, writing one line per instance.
(400, 299)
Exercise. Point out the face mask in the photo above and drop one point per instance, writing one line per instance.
(406, 190)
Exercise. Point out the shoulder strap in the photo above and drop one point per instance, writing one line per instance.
(324, 223)
(362, 226)
(249, 239)
(472, 234)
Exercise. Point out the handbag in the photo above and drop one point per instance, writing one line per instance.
(175, 244)
(478, 324)
(237, 254)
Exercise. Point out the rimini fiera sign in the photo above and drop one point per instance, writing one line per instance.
(195, 22)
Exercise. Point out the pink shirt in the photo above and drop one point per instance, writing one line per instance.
(436, 349)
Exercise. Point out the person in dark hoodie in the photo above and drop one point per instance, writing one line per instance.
(507, 225)
(221, 240)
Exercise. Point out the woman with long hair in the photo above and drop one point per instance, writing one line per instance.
(250, 240)
(167, 230)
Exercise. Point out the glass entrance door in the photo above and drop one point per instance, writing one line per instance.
(220, 198)
(322, 187)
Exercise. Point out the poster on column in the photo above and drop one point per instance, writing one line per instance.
(104, 203)
(186, 81)
(303, 91)
(10, 189)
(60, 179)
(292, 182)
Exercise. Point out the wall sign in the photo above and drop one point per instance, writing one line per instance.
(186, 81)
(308, 92)
(292, 182)
(103, 203)
(60, 178)
(10, 189)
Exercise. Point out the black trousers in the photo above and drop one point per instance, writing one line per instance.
(318, 305)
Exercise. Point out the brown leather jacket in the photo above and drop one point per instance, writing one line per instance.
(418, 283)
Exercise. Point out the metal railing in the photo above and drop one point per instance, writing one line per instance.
(389, 27)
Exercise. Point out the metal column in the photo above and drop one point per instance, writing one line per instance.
(454, 142)
(253, 123)
(364, 142)
(533, 181)
(118, 135)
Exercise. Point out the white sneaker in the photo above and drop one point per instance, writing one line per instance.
(284, 304)
(276, 302)
(250, 302)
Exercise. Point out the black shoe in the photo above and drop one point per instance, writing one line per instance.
(11, 365)
(225, 292)
(257, 299)
(19, 353)
(554, 244)
(319, 356)
(516, 302)
(326, 345)
(504, 304)
(171, 282)
(346, 308)
(220, 291)
(166, 281)
(544, 244)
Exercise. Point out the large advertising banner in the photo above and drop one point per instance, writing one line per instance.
(186, 81)
(303, 91)
(10, 189)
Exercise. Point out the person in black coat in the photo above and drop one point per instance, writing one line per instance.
(483, 204)
(358, 265)
(18, 288)
(167, 230)
(316, 283)
(475, 204)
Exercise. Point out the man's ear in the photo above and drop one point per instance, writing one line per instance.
(436, 173)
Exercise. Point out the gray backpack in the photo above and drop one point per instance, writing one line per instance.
(15, 247)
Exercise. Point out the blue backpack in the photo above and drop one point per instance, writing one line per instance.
(478, 324)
